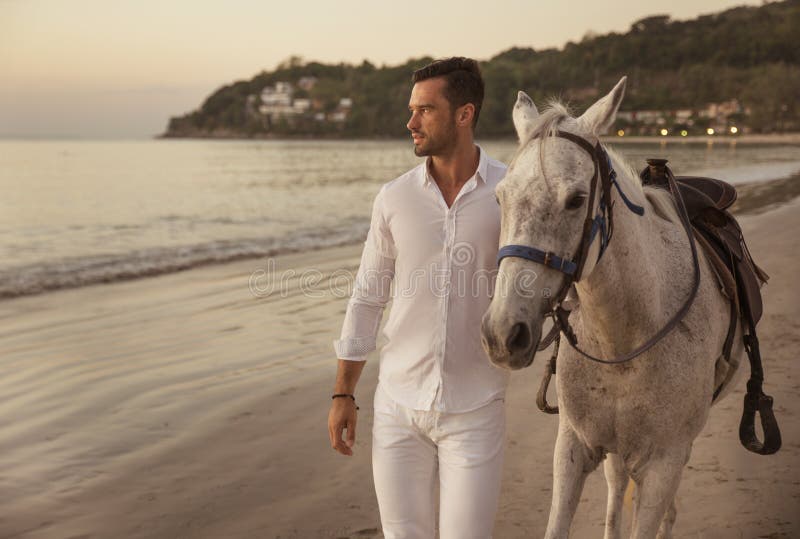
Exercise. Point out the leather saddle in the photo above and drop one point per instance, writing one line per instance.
(707, 201)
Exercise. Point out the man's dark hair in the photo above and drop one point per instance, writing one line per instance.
(464, 81)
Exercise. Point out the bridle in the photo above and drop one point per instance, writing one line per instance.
(599, 224)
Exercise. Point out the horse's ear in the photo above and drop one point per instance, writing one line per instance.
(600, 116)
(524, 114)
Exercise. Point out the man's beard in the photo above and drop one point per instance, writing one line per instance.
(441, 145)
(424, 152)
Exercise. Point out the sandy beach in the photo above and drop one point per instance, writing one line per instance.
(194, 405)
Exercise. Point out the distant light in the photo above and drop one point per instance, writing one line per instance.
(664, 132)
(710, 131)
(734, 130)
(684, 132)
(621, 133)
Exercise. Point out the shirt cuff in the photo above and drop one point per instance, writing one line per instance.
(355, 349)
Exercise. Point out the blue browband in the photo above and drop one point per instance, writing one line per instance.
(570, 267)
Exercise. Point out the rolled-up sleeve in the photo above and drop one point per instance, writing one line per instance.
(371, 289)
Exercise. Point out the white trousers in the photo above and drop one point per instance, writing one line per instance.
(410, 446)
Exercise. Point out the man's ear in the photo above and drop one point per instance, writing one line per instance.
(465, 114)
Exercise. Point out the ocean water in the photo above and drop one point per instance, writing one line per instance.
(81, 212)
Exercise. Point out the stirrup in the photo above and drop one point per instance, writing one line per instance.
(757, 401)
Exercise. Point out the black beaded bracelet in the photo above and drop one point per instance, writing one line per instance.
(336, 396)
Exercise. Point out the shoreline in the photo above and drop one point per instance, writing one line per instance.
(756, 196)
(778, 138)
(775, 138)
(791, 139)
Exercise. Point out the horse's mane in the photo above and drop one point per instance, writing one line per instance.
(548, 121)
(546, 124)
(660, 199)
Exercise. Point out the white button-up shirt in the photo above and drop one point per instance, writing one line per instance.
(441, 265)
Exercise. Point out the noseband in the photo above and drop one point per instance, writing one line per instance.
(601, 225)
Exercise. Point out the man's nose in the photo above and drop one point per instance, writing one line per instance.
(413, 122)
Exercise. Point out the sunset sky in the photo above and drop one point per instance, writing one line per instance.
(119, 69)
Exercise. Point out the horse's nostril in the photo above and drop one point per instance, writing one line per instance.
(519, 338)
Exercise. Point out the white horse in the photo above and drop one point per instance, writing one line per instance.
(643, 415)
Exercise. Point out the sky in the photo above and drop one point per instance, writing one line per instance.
(121, 68)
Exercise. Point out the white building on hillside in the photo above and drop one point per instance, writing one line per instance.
(280, 94)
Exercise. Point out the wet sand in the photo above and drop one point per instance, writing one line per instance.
(760, 197)
(187, 405)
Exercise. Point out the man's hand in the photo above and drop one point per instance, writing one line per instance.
(342, 416)
(343, 409)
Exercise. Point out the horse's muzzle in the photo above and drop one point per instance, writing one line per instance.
(510, 347)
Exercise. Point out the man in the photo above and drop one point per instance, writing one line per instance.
(439, 404)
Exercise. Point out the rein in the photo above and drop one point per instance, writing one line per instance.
(602, 224)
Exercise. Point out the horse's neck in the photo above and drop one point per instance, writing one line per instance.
(623, 300)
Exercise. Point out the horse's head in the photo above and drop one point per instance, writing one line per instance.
(544, 202)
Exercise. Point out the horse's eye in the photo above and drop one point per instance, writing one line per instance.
(576, 201)
(497, 199)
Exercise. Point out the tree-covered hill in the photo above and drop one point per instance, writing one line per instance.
(746, 57)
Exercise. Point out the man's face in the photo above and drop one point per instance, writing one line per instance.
(432, 123)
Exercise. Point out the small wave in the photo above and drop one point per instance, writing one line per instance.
(82, 271)
(193, 220)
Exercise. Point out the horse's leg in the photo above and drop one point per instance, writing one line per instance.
(617, 480)
(572, 462)
(656, 486)
(665, 531)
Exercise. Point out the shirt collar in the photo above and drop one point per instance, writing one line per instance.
(481, 172)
